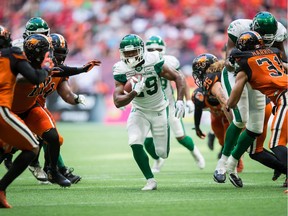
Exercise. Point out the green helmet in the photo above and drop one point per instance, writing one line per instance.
(155, 43)
(131, 50)
(266, 25)
(36, 25)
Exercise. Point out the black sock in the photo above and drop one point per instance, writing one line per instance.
(19, 165)
(52, 138)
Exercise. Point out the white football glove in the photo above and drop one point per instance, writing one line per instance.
(139, 86)
(80, 99)
(189, 106)
(179, 109)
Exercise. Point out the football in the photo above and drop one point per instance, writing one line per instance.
(130, 82)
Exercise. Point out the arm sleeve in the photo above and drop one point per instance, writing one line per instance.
(68, 71)
(35, 76)
(197, 116)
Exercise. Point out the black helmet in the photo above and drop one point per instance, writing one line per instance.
(35, 48)
(60, 48)
(199, 66)
(249, 40)
(5, 37)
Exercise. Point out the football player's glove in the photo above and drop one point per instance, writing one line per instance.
(139, 86)
(189, 105)
(80, 99)
(179, 109)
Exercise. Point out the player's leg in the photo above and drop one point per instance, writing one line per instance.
(66, 171)
(150, 148)
(15, 133)
(253, 129)
(138, 127)
(235, 128)
(178, 130)
(41, 124)
(279, 135)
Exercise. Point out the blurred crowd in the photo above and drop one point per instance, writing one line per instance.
(94, 28)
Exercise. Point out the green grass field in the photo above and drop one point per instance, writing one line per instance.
(112, 182)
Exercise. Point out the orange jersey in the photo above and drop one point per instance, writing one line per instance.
(26, 94)
(7, 76)
(49, 88)
(265, 71)
(219, 123)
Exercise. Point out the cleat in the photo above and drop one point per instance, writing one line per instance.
(3, 201)
(38, 173)
(210, 143)
(67, 173)
(235, 180)
(150, 185)
(200, 161)
(232, 172)
(157, 165)
(276, 175)
(219, 176)
(240, 165)
(56, 177)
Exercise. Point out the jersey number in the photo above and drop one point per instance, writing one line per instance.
(151, 84)
(272, 66)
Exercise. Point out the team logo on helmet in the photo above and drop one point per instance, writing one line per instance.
(244, 38)
(201, 62)
(32, 43)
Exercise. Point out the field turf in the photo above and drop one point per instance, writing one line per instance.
(112, 182)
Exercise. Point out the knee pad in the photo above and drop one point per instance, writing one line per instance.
(161, 152)
(239, 124)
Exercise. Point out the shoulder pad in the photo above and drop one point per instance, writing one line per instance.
(172, 61)
(237, 27)
(281, 34)
(16, 50)
(120, 68)
(198, 96)
(152, 57)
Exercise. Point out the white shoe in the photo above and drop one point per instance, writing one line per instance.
(157, 165)
(198, 157)
(38, 173)
(150, 185)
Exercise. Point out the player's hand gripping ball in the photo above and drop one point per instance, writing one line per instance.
(131, 83)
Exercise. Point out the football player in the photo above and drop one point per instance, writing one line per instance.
(263, 69)
(149, 104)
(58, 82)
(13, 130)
(38, 25)
(252, 101)
(204, 72)
(156, 43)
(25, 105)
(204, 99)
